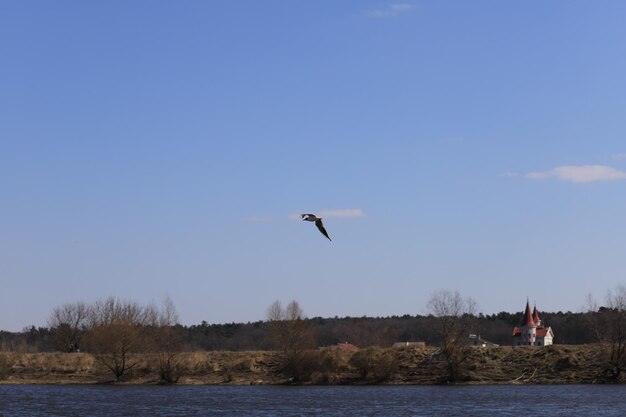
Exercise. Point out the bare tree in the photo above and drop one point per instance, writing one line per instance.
(166, 339)
(275, 312)
(455, 316)
(67, 324)
(290, 333)
(609, 325)
(116, 330)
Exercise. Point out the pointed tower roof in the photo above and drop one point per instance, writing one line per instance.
(536, 315)
(528, 317)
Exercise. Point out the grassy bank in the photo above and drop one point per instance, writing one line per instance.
(417, 365)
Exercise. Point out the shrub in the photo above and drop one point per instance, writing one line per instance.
(5, 366)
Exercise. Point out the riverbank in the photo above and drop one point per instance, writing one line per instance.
(558, 364)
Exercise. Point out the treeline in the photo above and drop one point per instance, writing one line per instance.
(118, 332)
(569, 328)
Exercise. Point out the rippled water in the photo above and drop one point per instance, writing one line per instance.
(97, 400)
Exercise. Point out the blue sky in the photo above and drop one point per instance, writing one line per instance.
(152, 149)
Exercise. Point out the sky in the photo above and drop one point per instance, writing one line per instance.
(154, 149)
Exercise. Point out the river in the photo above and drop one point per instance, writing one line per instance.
(440, 401)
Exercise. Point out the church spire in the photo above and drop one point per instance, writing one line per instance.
(536, 318)
(528, 317)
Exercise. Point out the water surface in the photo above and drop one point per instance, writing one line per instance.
(501, 400)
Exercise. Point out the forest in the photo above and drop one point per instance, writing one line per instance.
(117, 332)
(569, 328)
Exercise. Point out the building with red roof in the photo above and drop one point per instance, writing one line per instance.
(347, 346)
(532, 332)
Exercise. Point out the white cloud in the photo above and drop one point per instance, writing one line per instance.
(334, 214)
(510, 174)
(580, 173)
(342, 213)
(393, 10)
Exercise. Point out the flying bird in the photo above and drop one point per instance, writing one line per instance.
(318, 223)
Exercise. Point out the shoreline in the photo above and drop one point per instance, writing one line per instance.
(504, 365)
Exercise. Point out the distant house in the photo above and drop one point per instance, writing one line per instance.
(532, 332)
(476, 340)
(347, 346)
(399, 345)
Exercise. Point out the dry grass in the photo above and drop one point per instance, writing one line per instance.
(411, 365)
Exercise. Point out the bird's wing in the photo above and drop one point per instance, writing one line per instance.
(320, 226)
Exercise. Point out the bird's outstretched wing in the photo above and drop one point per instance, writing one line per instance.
(320, 226)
